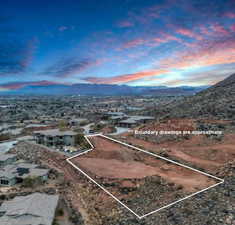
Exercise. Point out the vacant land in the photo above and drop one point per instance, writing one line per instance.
(137, 178)
(199, 151)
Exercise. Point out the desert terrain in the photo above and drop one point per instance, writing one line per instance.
(130, 175)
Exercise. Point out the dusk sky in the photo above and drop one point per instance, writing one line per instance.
(133, 42)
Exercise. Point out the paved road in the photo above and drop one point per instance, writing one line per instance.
(120, 130)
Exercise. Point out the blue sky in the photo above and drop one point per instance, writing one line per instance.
(133, 42)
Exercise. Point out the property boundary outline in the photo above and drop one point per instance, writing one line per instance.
(147, 152)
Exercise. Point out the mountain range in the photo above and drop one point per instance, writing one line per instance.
(103, 90)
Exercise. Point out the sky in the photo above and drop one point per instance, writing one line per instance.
(132, 42)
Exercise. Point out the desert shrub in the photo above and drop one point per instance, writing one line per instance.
(31, 182)
(81, 141)
(59, 212)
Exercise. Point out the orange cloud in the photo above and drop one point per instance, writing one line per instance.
(203, 54)
(200, 78)
(215, 53)
(126, 77)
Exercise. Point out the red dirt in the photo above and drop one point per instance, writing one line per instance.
(198, 150)
(113, 160)
(116, 168)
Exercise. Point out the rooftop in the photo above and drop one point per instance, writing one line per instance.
(34, 209)
(55, 132)
(4, 157)
(13, 170)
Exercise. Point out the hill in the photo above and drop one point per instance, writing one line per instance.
(216, 102)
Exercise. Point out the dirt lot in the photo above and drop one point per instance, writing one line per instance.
(197, 150)
(111, 164)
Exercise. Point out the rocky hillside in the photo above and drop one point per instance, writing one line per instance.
(217, 102)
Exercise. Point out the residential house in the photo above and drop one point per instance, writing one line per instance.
(55, 138)
(17, 172)
(134, 121)
(77, 122)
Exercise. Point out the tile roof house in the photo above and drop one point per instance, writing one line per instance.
(33, 209)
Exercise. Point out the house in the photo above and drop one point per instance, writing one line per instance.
(6, 159)
(55, 137)
(109, 115)
(114, 114)
(134, 121)
(7, 178)
(17, 172)
(142, 119)
(33, 209)
(117, 119)
(25, 170)
(128, 123)
(77, 122)
(131, 108)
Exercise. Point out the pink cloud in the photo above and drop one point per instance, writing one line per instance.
(232, 28)
(219, 29)
(205, 54)
(125, 77)
(18, 85)
(230, 15)
(133, 43)
(166, 38)
(201, 54)
(126, 23)
(204, 30)
(188, 33)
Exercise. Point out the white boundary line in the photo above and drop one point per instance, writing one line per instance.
(147, 152)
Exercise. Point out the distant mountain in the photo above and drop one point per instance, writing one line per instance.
(217, 101)
(103, 89)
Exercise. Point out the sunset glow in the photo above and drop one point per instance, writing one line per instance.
(121, 42)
